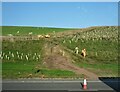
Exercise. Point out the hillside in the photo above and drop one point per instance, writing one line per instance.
(101, 44)
(55, 57)
(23, 30)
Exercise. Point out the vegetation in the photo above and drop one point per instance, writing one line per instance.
(22, 50)
(20, 30)
(101, 44)
(15, 70)
(20, 58)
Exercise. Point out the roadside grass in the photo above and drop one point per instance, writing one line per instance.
(20, 56)
(104, 70)
(101, 45)
(15, 70)
(17, 67)
(101, 68)
(57, 73)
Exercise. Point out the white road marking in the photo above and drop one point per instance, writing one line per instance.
(50, 81)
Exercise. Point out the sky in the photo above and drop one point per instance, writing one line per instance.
(60, 14)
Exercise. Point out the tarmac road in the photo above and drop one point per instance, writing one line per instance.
(57, 85)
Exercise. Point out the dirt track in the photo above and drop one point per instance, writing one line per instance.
(55, 59)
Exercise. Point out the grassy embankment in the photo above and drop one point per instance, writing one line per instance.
(23, 58)
(101, 44)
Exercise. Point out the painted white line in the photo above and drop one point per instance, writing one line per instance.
(52, 81)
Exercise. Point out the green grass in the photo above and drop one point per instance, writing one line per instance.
(30, 48)
(25, 30)
(57, 73)
(102, 52)
(100, 69)
(20, 68)
(100, 43)
(16, 64)
(14, 70)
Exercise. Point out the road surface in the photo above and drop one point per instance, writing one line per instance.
(57, 85)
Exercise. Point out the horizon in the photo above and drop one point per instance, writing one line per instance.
(56, 27)
(60, 15)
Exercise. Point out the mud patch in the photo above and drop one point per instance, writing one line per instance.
(55, 60)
